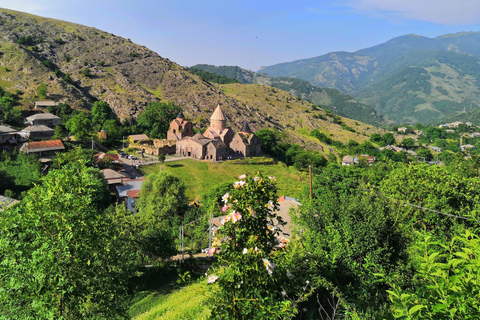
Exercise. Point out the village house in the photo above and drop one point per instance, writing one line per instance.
(402, 129)
(392, 147)
(128, 193)
(43, 148)
(135, 138)
(8, 135)
(218, 142)
(454, 124)
(436, 149)
(347, 161)
(6, 202)
(467, 147)
(350, 161)
(42, 105)
(39, 132)
(46, 119)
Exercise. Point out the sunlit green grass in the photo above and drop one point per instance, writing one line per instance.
(201, 176)
(185, 303)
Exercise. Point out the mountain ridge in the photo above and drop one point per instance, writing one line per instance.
(367, 72)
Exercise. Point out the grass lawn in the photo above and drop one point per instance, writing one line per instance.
(200, 176)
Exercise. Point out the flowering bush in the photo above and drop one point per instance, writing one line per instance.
(248, 280)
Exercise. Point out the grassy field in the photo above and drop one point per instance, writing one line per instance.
(185, 303)
(201, 176)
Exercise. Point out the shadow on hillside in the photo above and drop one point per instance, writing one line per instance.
(175, 165)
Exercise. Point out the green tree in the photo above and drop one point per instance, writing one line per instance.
(74, 155)
(101, 112)
(162, 200)
(426, 153)
(388, 138)
(155, 119)
(408, 143)
(161, 158)
(436, 188)
(65, 257)
(42, 90)
(86, 72)
(375, 137)
(345, 228)
(446, 283)
(79, 125)
(59, 133)
(8, 111)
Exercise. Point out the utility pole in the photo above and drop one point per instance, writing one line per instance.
(123, 141)
(92, 144)
(311, 187)
(210, 236)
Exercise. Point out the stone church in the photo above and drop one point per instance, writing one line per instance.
(218, 142)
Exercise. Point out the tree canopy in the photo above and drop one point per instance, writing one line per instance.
(63, 255)
(155, 119)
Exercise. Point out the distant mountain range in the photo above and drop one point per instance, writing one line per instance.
(326, 98)
(407, 79)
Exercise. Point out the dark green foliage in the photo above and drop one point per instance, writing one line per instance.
(72, 156)
(211, 77)
(86, 72)
(28, 40)
(346, 228)
(8, 112)
(291, 154)
(388, 138)
(18, 172)
(101, 112)
(426, 153)
(63, 255)
(155, 119)
(408, 143)
(42, 90)
(162, 202)
(79, 125)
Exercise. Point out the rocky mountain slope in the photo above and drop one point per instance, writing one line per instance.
(326, 98)
(80, 64)
(407, 79)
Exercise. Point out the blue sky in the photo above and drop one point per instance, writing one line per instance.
(252, 34)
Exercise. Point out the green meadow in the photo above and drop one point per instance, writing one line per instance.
(200, 176)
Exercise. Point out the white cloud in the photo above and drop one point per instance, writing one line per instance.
(452, 12)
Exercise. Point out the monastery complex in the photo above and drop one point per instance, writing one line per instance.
(219, 142)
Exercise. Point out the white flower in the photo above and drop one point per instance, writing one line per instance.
(225, 197)
(272, 178)
(245, 250)
(243, 176)
(212, 279)
(270, 266)
(256, 178)
(289, 275)
(239, 184)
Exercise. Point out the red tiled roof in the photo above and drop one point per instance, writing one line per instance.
(54, 144)
(133, 193)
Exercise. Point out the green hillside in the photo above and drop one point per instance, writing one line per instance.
(326, 98)
(407, 79)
